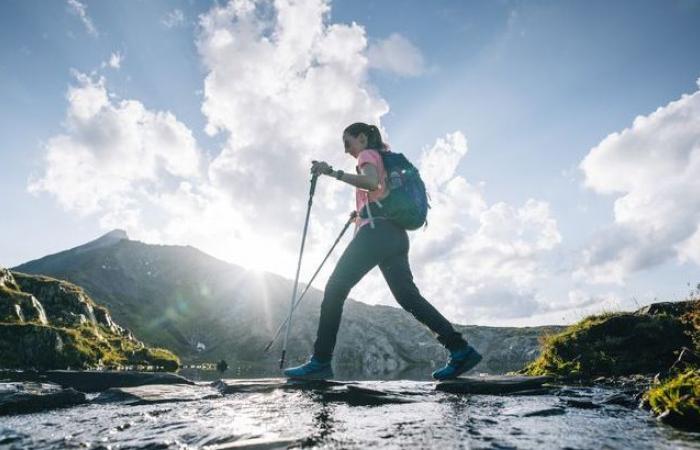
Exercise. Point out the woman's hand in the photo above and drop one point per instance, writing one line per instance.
(321, 167)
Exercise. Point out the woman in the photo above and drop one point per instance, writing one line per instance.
(377, 241)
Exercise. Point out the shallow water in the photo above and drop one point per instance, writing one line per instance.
(436, 420)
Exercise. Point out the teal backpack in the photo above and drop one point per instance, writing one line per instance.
(406, 205)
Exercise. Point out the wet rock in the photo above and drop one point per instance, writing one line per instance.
(538, 412)
(546, 412)
(157, 393)
(28, 397)
(621, 399)
(96, 381)
(581, 404)
(260, 443)
(678, 420)
(361, 396)
(258, 385)
(355, 393)
(492, 384)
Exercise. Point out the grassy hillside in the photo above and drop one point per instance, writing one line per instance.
(47, 323)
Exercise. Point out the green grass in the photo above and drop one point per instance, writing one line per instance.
(678, 398)
(611, 344)
(32, 345)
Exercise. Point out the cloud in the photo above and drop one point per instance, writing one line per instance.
(80, 10)
(653, 169)
(112, 151)
(281, 84)
(174, 18)
(114, 61)
(397, 55)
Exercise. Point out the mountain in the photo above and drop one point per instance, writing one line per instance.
(205, 309)
(47, 323)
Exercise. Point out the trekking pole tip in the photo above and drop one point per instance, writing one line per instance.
(282, 359)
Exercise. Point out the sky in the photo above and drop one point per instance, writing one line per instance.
(559, 140)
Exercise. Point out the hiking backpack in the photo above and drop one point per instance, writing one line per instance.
(407, 202)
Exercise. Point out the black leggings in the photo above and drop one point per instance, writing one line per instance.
(387, 246)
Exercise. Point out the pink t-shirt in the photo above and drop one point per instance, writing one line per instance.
(369, 156)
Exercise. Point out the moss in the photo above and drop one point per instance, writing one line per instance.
(32, 345)
(611, 344)
(677, 400)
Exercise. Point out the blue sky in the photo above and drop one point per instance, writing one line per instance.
(533, 87)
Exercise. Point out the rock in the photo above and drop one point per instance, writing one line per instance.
(352, 393)
(157, 393)
(686, 359)
(677, 420)
(95, 381)
(530, 412)
(260, 443)
(492, 384)
(581, 404)
(28, 397)
(257, 385)
(670, 308)
(621, 399)
(546, 412)
(46, 323)
(361, 396)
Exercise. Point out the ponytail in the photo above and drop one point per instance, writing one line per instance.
(374, 137)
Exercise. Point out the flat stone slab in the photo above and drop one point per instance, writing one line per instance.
(157, 393)
(95, 380)
(256, 385)
(29, 397)
(352, 393)
(492, 384)
(260, 443)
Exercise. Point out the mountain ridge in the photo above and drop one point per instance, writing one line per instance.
(205, 309)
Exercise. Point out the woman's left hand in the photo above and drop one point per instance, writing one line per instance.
(321, 167)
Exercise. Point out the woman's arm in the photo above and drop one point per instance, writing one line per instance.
(367, 180)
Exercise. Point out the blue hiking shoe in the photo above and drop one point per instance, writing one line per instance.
(460, 361)
(312, 370)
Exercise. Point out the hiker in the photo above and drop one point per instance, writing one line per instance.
(377, 241)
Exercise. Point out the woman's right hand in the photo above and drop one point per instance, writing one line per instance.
(320, 167)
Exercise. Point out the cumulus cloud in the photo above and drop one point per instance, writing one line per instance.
(111, 150)
(281, 84)
(174, 18)
(396, 54)
(80, 10)
(653, 168)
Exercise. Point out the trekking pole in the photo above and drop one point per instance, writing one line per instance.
(314, 178)
(313, 277)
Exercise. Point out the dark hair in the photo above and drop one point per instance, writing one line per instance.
(374, 137)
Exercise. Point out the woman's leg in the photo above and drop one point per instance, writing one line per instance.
(397, 273)
(366, 250)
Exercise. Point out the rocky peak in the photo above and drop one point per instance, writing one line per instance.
(105, 240)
